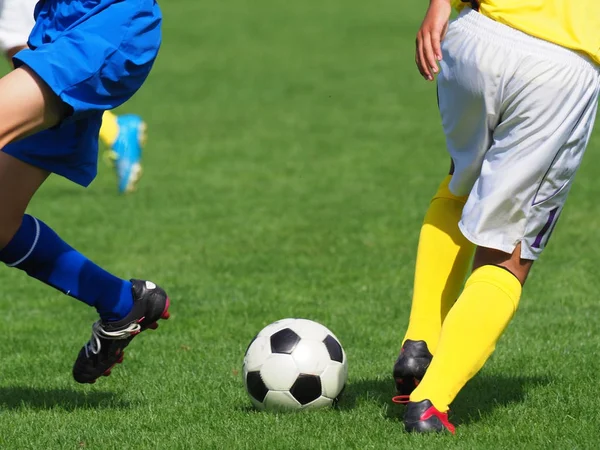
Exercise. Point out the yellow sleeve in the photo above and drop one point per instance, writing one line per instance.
(459, 4)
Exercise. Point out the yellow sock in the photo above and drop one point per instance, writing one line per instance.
(443, 260)
(469, 334)
(109, 129)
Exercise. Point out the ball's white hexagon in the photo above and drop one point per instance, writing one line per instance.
(279, 372)
(311, 357)
(281, 401)
(276, 326)
(333, 379)
(257, 354)
(321, 402)
(307, 329)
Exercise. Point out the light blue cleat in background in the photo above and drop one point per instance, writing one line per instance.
(127, 151)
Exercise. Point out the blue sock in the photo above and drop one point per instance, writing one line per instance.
(40, 252)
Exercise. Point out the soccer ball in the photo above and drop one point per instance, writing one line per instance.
(294, 364)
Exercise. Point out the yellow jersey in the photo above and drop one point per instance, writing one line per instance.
(574, 24)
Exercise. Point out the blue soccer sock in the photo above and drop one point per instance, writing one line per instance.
(40, 252)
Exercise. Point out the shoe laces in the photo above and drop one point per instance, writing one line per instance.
(98, 333)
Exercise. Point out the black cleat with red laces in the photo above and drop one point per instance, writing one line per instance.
(410, 368)
(109, 339)
(423, 417)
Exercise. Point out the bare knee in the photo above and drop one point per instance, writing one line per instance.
(516, 265)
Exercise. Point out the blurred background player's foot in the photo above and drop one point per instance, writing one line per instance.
(423, 417)
(126, 151)
(410, 368)
(105, 348)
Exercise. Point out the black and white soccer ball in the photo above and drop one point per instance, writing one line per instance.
(295, 364)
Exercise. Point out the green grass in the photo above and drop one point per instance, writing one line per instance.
(293, 151)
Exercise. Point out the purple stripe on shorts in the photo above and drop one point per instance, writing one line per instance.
(538, 240)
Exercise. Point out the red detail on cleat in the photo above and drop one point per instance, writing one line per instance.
(120, 360)
(107, 373)
(401, 399)
(165, 314)
(153, 326)
(432, 411)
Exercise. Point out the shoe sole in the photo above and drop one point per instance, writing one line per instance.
(153, 326)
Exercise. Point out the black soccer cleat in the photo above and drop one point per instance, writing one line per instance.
(423, 417)
(105, 348)
(410, 368)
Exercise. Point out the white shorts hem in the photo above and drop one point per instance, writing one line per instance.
(501, 246)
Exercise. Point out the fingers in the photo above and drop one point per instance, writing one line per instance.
(429, 54)
(433, 29)
(436, 48)
(420, 58)
(428, 49)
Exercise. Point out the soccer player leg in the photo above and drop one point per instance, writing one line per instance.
(27, 105)
(510, 214)
(491, 295)
(444, 254)
(78, 84)
(443, 258)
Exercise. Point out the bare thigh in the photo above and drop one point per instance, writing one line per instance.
(27, 105)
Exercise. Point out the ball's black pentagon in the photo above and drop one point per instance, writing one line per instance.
(306, 388)
(334, 348)
(256, 386)
(284, 341)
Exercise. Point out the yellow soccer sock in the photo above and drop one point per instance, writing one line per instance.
(469, 334)
(109, 129)
(443, 259)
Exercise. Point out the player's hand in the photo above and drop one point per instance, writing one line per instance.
(430, 36)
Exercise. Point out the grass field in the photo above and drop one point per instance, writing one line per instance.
(293, 151)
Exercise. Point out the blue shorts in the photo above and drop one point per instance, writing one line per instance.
(94, 54)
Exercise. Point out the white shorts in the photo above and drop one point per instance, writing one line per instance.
(16, 22)
(518, 113)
